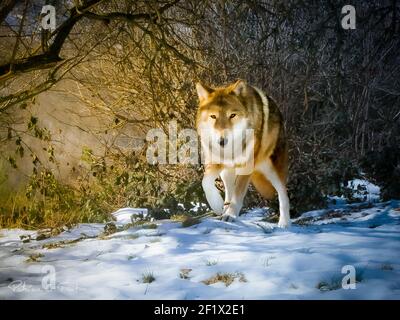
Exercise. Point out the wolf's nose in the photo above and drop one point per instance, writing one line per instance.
(222, 141)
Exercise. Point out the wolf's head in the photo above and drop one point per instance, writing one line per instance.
(223, 117)
(221, 111)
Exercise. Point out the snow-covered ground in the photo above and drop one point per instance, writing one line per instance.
(254, 258)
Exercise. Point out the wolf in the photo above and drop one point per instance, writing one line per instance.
(224, 116)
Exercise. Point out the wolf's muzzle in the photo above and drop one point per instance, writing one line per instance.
(222, 141)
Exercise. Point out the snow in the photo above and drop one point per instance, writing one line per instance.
(128, 215)
(364, 190)
(303, 262)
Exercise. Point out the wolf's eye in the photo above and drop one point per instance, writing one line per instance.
(232, 115)
(213, 116)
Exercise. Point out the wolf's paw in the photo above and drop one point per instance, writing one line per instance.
(229, 213)
(284, 223)
(228, 217)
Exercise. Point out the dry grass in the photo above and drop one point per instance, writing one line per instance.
(35, 257)
(334, 284)
(184, 273)
(60, 244)
(148, 277)
(65, 243)
(186, 221)
(178, 217)
(190, 221)
(226, 278)
(17, 211)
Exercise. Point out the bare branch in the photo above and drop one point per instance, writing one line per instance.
(51, 57)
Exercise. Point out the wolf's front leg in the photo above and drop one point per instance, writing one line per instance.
(280, 186)
(232, 211)
(228, 178)
(213, 195)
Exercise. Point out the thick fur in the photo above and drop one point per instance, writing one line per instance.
(222, 113)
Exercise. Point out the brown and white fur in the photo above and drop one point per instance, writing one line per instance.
(222, 113)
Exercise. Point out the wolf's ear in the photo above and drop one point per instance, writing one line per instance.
(203, 91)
(239, 88)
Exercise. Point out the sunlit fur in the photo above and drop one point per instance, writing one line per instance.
(225, 112)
